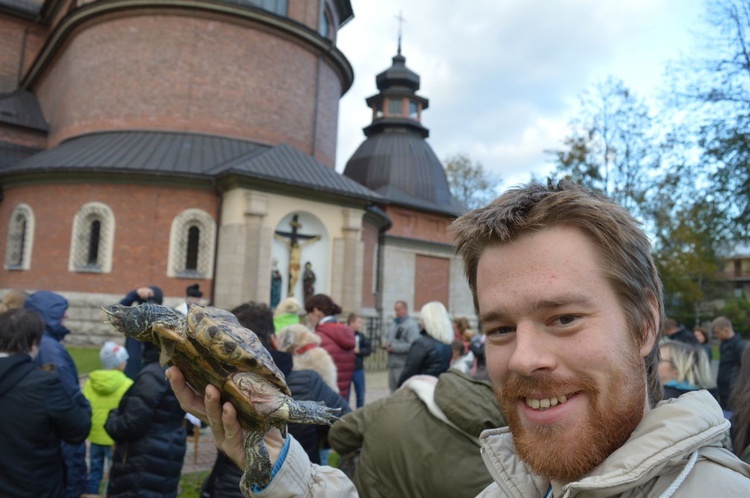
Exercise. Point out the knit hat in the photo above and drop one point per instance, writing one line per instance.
(113, 355)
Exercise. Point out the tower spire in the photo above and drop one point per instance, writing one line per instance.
(401, 22)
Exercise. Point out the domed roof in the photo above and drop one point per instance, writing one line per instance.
(402, 167)
(395, 160)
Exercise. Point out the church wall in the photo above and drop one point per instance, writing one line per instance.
(20, 40)
(143, 217)
(20, 136)
(175, 72)
(431, 280)
(336, 257)
(415, 224)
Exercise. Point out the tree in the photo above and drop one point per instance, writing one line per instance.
(610, 148)
(469, 182)
(714, 85)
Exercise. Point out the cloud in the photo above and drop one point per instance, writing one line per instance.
(502, 76)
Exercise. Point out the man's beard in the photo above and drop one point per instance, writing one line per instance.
(566, 453)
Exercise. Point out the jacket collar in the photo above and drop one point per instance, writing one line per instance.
(666, 436)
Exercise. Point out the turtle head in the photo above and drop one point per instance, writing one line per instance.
(138, 321)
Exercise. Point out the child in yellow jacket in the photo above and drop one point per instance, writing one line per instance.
(104, 389)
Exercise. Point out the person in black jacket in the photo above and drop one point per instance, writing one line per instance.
(37, 413)
(431, 353)
(149, 436)
(361, 350)
(730, 358)
(305, 385)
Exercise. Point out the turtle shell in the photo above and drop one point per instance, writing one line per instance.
(209, 346)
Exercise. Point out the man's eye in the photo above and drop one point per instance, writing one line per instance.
(566, 319)
(498, 331)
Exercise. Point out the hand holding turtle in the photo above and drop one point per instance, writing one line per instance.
(228, 435)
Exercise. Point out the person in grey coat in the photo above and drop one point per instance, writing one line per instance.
(401, 335)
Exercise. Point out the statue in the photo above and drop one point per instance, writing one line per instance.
(275, 285)
(308, 281)
(291, 240)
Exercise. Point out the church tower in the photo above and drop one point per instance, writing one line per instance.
(414, 258)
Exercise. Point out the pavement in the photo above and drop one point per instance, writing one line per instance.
(201, 452)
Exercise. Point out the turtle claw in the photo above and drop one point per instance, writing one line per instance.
(167, 350)
(257, 464)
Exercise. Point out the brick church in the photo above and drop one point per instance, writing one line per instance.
(177, 142)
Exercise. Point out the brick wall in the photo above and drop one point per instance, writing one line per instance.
(143, 219)
(431, 281)
(419, 225)
(178, 72)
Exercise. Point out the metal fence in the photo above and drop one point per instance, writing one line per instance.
(373, 330)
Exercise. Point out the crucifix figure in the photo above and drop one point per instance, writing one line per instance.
(292, 241)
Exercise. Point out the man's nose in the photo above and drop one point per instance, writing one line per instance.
(533, 352)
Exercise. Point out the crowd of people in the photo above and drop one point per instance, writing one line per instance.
(572, 382)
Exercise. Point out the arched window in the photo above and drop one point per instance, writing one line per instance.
(191, 245)
(92, 241)
(20, 238)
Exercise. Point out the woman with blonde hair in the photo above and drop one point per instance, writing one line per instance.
(431, 353)
(683, 368)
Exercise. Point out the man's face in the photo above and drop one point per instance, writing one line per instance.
(566, 371)
(721, 333)
(400, 310)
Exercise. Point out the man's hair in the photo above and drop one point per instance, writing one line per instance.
(20, 329)
(257, 317)
(402, 303)
(624, 248)
(721, 323)
(436, 321)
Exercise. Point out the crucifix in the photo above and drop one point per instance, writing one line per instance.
(401, 22)
(292, 241)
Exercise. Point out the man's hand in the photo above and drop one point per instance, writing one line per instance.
(228, 435)
(145, 293)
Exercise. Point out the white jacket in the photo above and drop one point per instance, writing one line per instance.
(674, 452)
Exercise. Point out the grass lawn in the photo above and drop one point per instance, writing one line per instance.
(85, 358)
(190, 484)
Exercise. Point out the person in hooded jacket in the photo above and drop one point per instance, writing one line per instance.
(104, 390)
(141, 295)
(53, 356)
(398, 436)
(149, 436)
(37, 413)
(338, 339)
(305, 385)
(431, 353)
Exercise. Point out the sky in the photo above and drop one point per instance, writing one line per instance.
(504, 77)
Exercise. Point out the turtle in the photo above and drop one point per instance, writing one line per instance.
(211, 347)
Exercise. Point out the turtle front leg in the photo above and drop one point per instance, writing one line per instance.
(257, 463)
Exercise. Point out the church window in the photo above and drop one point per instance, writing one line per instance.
(92, 240)
(278, 7)
(325, 23)
(191, 245)
(395, 107)
(413, 109)
(20, 238)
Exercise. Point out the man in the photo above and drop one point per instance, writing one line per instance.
(730, 354)
(401, 334)
(568, 294)
(53, 356)
(674, 331)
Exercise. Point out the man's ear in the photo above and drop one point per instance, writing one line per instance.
(652, 328)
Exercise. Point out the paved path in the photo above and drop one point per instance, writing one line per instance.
(201, 455)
